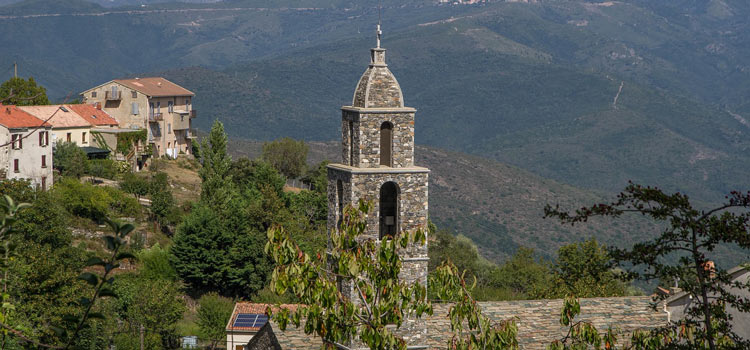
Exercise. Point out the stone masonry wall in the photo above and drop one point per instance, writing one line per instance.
(412, 207)
(333, 211)
(377, 88)
(265, 339)
(384, 90)
(402, 149)
(346, 141)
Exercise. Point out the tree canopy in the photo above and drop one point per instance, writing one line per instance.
(22, 92)
(682, 251)
(286, 155)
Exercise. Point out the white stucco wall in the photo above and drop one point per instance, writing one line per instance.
(235, 339)
(76, 135)
(29, 157)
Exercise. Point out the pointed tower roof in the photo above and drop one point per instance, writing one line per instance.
(378, 88)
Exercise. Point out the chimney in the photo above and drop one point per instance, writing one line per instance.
(99, 106)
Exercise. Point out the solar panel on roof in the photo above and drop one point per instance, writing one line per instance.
(250, 320)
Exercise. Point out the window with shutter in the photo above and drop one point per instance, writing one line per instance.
(134, 108)
(15, 165)
(44, 161)
(83, 137)
(41, 138)
(46, 138)
(20, 142)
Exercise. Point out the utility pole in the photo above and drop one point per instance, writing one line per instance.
(15, 70)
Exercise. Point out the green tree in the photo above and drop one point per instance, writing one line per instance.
(135, 185)
(525, 276)
(213, 313)
(155, 304)
(154, 264)
(381, 300)
(585, 270)
(286, 155)
(682, 250)
(213, 252)
(163, 207)
(216, 185)
(317, 177)
(70, 159)
(22, 92)
(251, 175)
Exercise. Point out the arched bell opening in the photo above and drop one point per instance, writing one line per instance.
(386, 144)
(389, 194)
(339, 203)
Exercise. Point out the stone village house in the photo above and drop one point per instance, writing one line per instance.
(27, 153)
(156, 104)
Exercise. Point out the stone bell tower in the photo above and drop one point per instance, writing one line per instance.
(377, 164)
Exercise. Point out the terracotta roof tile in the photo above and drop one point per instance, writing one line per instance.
(13, 117)
(61, 117)
(93, 115)
(155, 86)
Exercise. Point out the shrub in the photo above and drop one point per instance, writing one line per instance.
(105, 168)
(70, 159)
(135, 185)
(155, 264)
(19, 190)
(83, 200)
(89, 201)
(122, 204)
(213, 314)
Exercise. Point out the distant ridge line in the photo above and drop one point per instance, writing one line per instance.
(144, 12)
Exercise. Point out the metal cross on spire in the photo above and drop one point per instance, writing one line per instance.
(379, 33)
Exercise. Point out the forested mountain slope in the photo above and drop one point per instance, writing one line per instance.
(484, 94)
(590, 93)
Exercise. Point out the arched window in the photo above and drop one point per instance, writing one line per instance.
(388, 209)
(340, 202)
(386, 141)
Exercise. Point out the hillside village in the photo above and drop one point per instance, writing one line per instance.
(125, 229)
(144, 126)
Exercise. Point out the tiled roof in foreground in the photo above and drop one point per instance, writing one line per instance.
(538, 321)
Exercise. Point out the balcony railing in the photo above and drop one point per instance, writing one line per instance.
(155, 117)
(113, 95)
